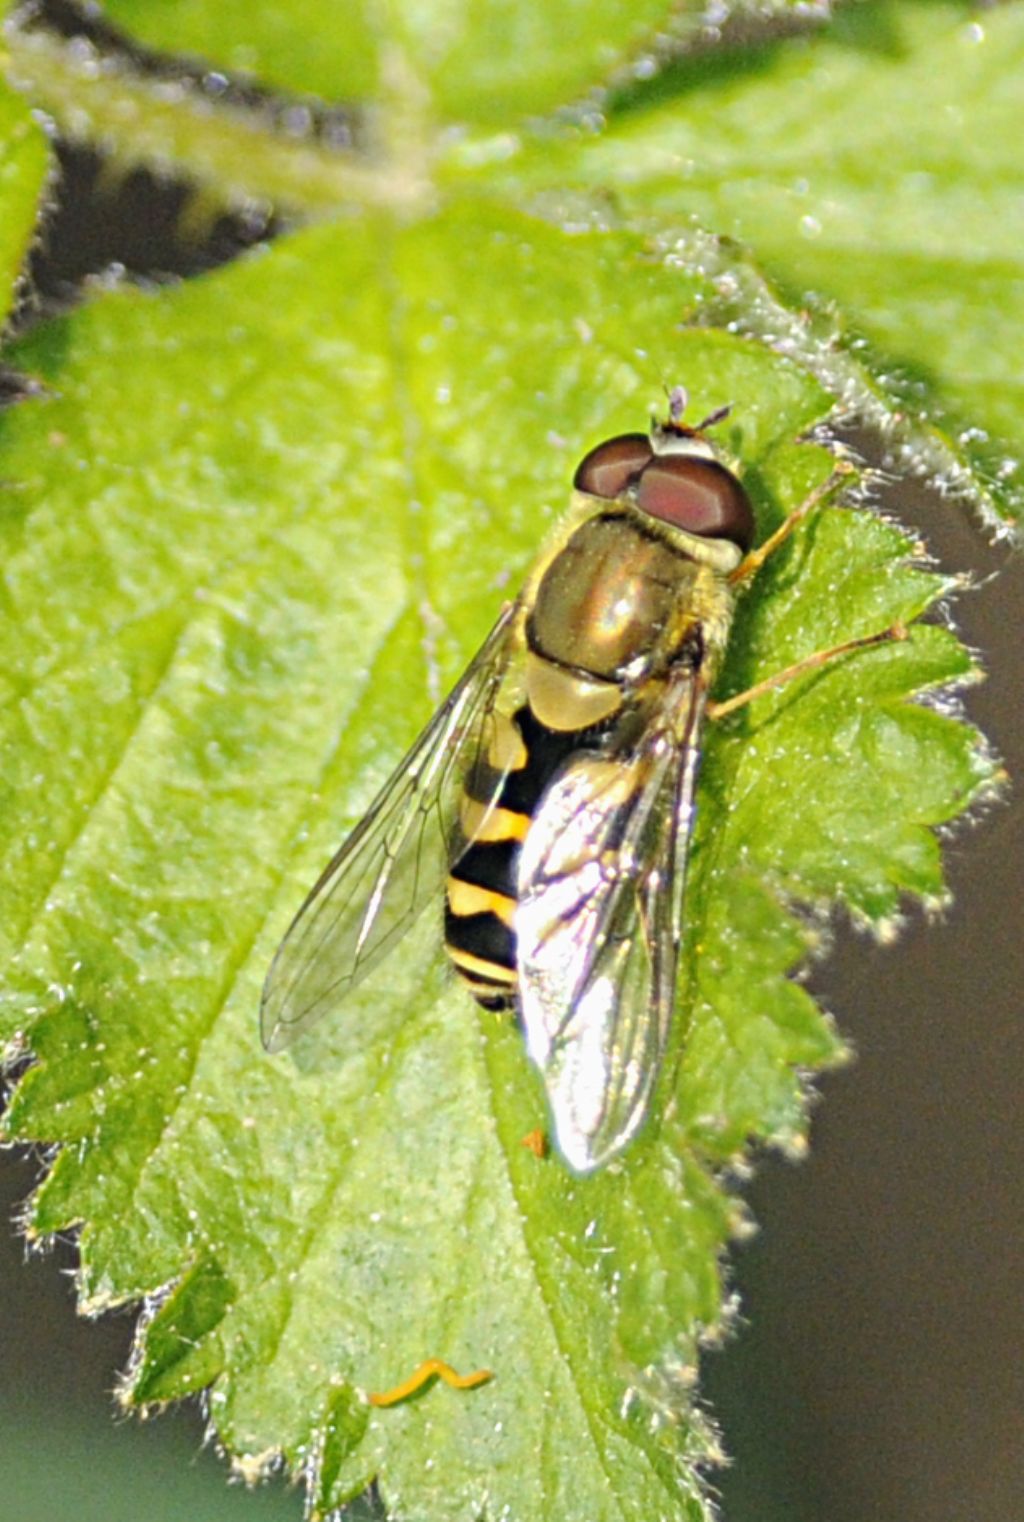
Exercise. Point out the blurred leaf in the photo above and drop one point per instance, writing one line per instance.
(23, 166)
(311, 47)
(227, 611)
(875, 163)
(233, 154)
(871, 163)
(481, 60)
(149, 1470)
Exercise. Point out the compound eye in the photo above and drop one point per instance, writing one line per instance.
(607, 470)
(699, 496)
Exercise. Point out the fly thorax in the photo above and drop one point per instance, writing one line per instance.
(606, 600)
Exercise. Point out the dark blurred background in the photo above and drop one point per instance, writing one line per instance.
(879, 1372)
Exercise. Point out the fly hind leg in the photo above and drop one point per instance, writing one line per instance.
(755, 559)
(752, 563)
(894, 633)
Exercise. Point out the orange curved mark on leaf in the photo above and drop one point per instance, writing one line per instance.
(426, 1371)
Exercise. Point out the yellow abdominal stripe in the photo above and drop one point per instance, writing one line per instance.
(469, 898)
(468, 964)
(480, 821)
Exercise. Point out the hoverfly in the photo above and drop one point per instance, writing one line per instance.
(550, 798)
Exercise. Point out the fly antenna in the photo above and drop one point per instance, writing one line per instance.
(678, 401)
(714, 417)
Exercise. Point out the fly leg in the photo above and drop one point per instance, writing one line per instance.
(752, 562)
(896, 631)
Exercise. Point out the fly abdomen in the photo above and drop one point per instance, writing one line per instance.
(481, 895)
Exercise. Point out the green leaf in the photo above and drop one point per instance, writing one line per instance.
(254, 526)
(23, 168)
(871, 164)
(481, 60)
(876, 165)
(227, 612)
(309, 46)
(231, 156)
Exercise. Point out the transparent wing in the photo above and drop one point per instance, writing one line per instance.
(394, 862)
(598, 926)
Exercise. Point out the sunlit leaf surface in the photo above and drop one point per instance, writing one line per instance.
(263, 575)
(253, 527)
